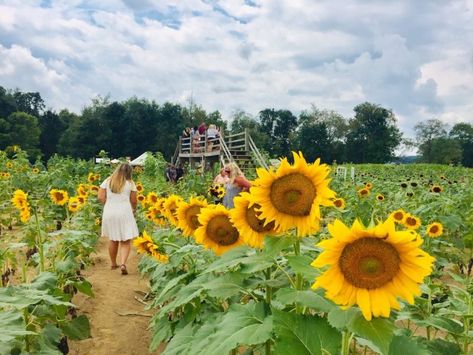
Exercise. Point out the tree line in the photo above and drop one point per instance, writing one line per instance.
(133, 126)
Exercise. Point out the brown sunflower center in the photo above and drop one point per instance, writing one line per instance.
(369, 263)
(434, 229)
(293, 194)
(411, 221)
(398, 216)
(255, 223)
(221, 231)
(337, 203)
(59, 196)
(191, 216)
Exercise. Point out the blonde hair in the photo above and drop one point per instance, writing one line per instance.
(121, 174)
(234, 171)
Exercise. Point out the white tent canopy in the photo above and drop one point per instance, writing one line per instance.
(140, 160)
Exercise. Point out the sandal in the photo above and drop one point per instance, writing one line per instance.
(114, 267)
(123, 269)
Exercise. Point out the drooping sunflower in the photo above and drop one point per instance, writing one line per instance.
(372, 267)
(412, 222)
(339, 203)
(59, 197)
(436, 189)
(434, 229)
(188, 213)
(363, 192)
(170, 208)
(216, 231)
(399, 216)
(291, 195)
(245, 217)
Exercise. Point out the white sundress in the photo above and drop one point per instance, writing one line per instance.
(118, 222)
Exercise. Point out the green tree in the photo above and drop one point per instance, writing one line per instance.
(426, 132)
(322, 133)
(29, 102)
(280, 127)
(23, 130)
(445, 150)
(463, 134)
(7, 103)
(241, 121)
(373, 135)
(52, 128)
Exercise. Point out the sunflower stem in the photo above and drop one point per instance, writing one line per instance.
(39, 241)
(299, 281)
(346, 337)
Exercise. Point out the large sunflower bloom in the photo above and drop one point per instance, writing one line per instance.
(291, 195)
(59, 197)
(372, 267)
(187, 215)
(217, 231)
(144, 244)
(245, 217)
(434, 229)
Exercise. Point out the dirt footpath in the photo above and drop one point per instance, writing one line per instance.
(112, 333)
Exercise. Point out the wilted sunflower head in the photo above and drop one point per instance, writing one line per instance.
(59, 197)
(372, 267)
(217, 231)
(291, 195)
(245, 216)
(188, 215)
(434, 229)
(412, 222)
(339, 203)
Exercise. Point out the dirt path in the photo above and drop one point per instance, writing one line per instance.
(113, 333)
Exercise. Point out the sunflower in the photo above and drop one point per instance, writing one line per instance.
(380, 197)
(154, 214)
(369, 185)
(436, 189)
(94, 190)
(412, 222)
(19, 199)
(245, 217)
(339, 203)
(151, 198)
(82, 199)
(399, 216)
(435, 229)
(141, 198)
(372, 267)
(91, 177)
(217, 231)
(404, 185)
(169, 208)
(59, 197)
(363, 192)
(74, 204)
(146, 245)
(82, 190)
(139, 187)
(187, 215)
(5, 174)
(409, 194)
(35, 170)
(25, 214)
(414, 184)
(9, 165)
(291, 195)
(217, 190)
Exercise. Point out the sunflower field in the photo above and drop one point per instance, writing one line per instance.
(307, 262)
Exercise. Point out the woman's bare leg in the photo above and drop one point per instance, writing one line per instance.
(113, 250)
(124, 251)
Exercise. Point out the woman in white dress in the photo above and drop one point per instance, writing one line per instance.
(118, 193)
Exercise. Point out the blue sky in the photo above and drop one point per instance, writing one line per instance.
(414, 57)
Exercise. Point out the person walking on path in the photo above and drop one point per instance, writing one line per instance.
(118, 194)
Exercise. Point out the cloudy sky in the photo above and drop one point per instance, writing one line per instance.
(415, 57)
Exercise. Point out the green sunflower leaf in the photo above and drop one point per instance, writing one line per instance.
(78, 328)
(442, 347)
(299, 334)
(378, 331)
(12, 326)
(307, 298)
(301, 264)
(443, 323)
(402, 345)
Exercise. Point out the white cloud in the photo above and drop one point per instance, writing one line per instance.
(412, 57)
